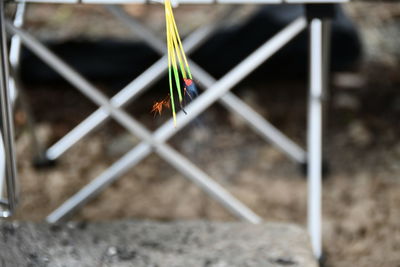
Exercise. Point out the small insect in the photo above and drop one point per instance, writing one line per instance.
(190, 89)
(178, 68)
(159, 105)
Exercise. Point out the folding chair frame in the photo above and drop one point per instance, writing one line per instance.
(217, 91)
(7, 128)
(16, 93)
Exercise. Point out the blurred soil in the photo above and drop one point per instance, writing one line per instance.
(361, 196)
(127, 243)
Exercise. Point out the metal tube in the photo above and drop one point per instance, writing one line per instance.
(2, 167)
(15, 49)
(15, 45)
(318, 68)
(165, 151)
(118, 168)
(230, 101)
(127, 94)
(7, 122)
(197, 2)
(14, 55)
(16, 87)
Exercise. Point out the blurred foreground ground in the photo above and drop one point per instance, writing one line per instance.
(361, 194)
(130, 243)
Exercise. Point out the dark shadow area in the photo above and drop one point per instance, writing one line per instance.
(108, 60)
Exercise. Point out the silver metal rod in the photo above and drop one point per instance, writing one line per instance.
(196, 2)
(132, 157)
(15, 49)
(318, 69)
(7, 122)
(2, 167)
(230, 101)
(165, 151)
(16, 87)
(15, 45)
(127, 94)
(14, 55)
(14, 59)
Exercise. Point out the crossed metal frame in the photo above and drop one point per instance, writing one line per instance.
(216, 91)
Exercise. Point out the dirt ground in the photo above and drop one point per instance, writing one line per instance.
(361, 196)
(128, 243)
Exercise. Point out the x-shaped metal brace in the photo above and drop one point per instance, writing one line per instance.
(157, 140)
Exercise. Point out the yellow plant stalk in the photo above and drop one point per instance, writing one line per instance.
(177, 62)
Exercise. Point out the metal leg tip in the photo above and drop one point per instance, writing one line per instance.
(42, 162)
(322, 260)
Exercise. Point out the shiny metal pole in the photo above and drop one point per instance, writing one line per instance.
(196, 2)
(2, 167)
(14, 55)
(7, 124)
(319, 59)
(15, 49)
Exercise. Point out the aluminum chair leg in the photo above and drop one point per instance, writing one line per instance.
(230, 101)
(15, 48)
(167, 130)
(16, 89)
(318, 81)
(2, 168)
(7, 125)
(14, 60)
